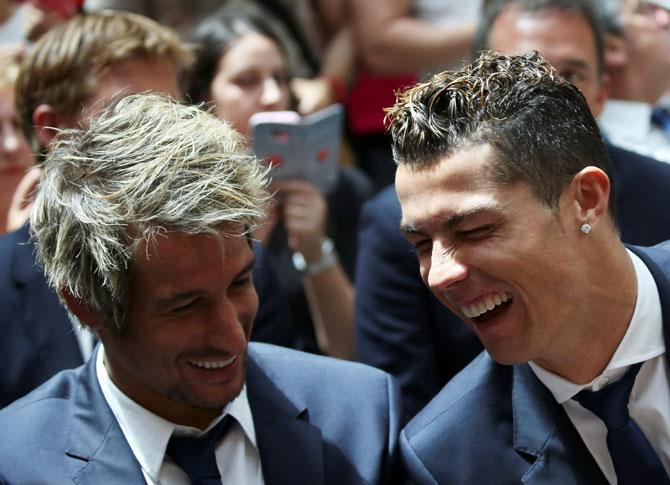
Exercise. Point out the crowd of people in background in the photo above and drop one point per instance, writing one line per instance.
(350, 273)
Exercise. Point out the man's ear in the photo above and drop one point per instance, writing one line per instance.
(591, 195)
(46, 122)
(616, 52)
(81, 310)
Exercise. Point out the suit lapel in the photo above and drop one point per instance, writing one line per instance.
(290, 448)
(97, 448)
(655, 266)
(544, 434)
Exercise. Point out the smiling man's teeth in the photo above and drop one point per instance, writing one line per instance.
(489, 303)
(216, 364)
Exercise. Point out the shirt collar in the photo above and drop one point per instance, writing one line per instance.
(148, 434)
(664, 101)
(643, 340)
(626, 119)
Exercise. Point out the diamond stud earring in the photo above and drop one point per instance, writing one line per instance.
(586, 228)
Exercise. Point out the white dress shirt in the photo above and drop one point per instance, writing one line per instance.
(85, 339)
(627, 124)
(448, 13)
(148, 434)
(650, 398)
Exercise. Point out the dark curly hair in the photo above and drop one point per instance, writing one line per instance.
(539, 124)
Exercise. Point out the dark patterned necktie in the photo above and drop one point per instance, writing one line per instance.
(634, 459)
(196, 456)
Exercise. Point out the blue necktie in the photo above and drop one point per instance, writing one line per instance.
(661, 118)
(635, 461)
(196, 456)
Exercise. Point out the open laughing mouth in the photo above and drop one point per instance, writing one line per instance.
(489, 307)
(213, 364)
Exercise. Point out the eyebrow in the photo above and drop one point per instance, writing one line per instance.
(576, 63)
(248, 267)
(451, 222)
(178, 298)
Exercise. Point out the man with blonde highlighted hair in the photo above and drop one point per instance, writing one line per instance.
(70, 74)
(142, 224)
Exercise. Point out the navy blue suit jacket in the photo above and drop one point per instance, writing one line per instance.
(318, 421)
(402, 328)
(37, 338)
(500, 424)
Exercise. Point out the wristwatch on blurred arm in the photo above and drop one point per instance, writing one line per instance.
(327, 260)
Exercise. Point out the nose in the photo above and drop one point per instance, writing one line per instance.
(445, 269)
(272, 92)
(227, 327)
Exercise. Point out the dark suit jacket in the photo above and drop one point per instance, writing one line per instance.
(642, 197)
(402, 328)
(318, 421)
(500, 424)
(37, 338)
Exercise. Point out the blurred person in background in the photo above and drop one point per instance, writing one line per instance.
(638, 64)
(316, 35)
(397, 42)
(20, 24)
(242, 69)
(569, 36)
(15, 156)
(414, 35)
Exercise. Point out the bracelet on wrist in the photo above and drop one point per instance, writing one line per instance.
(327, 260)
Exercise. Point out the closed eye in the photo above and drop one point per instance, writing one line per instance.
(247, 79)
(476, 232)
(243, 281)
(185, 307)
(421, 245)
(572, 76)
